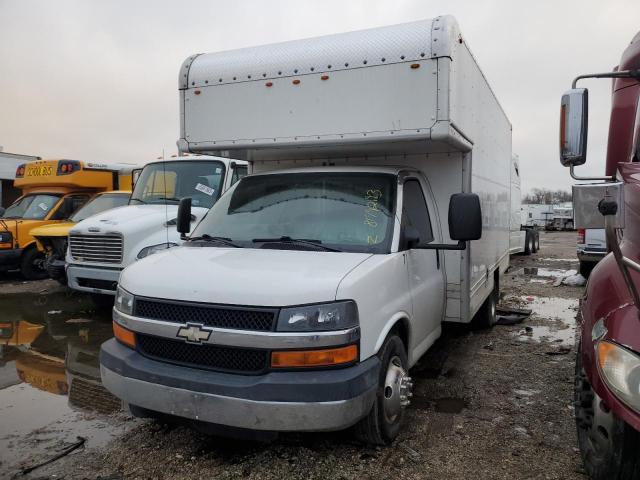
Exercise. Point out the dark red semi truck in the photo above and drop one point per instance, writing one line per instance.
(607, 382)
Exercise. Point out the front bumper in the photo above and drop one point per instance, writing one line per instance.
(10, 258)
(318, 400)
(93, 279)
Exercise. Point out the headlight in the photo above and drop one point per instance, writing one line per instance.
(621, 371)
(124, 301)
(145, 252)
(6, 240)
(326, 316)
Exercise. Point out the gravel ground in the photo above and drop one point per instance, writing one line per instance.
(490, 404)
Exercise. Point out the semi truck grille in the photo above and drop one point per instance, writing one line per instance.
(241, 318)
(209, 357)
(96, 248)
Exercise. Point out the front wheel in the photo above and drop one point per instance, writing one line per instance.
(382, 424)
(608, 445)
(32, 266)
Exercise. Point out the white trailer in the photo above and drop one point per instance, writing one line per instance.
(537, 215)
(371, 154)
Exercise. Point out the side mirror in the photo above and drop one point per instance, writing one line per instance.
(2, 210)
(574, 109)
(465, 217)
(183, 222)
(411, 237)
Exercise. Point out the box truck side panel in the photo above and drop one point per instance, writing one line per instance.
(477, 114)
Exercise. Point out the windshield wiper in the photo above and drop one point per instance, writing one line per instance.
(208, 238)
(299, 241)
(170, 199)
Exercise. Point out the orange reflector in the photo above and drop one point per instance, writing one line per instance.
(269, 84)
(324, 77)
(64, 167)
(604, 349)
(296, 82)
(123, 335)
(415, 65)
(197, 92)
(315, 358)
(563, 126)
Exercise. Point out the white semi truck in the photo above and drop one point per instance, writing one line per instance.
(102, 245)
(376, 209)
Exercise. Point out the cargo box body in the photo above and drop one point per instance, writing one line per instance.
(408, 94)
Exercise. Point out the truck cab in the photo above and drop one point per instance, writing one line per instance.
(101, 246)
(607, 384)
(374, 212)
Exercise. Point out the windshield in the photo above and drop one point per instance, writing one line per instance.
(32, 207)
(169, 182)
(347, 211)
(100, 204)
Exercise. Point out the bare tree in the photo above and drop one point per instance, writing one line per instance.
(546, 196)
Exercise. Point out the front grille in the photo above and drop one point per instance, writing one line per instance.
(211, 357)
(96, 248)
(222, 316)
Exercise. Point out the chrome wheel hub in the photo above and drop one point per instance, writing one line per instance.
(397, 390)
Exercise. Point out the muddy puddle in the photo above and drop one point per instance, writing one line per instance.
(552, 320)
(50, 389)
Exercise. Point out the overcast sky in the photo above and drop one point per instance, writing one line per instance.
(97, 80)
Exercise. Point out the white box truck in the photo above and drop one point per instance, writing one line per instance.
(102, 245)
(376, 209)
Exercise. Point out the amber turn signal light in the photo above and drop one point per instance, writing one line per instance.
(124, 335)
(315, 358)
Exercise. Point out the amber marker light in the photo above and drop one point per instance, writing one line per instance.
(296, 82)
(324, 77)
(415, 65)
(315, 358)
(124, 335)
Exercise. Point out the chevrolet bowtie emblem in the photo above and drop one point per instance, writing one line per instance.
(194, 333)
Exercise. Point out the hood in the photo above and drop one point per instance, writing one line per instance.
(132, 217)
(52, 230)
(241, 276)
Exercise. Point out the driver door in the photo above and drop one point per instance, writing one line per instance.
(425, 268)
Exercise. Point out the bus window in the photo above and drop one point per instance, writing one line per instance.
(69, 205)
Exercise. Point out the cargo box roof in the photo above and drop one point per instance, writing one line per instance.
(377, 46)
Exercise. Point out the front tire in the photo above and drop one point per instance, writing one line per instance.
(609, 447)
(32, 265)
(382, 424)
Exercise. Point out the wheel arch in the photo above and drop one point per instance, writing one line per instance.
(398, 323)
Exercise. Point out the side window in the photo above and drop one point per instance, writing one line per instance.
(414, 210)
(238, 173)
(68, 206)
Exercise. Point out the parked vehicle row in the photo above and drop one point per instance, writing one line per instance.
(299, 299)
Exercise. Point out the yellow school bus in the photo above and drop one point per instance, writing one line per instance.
(52, 190)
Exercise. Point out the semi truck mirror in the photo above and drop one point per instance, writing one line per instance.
(183, 222)
(573, 127)
(465, 217)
